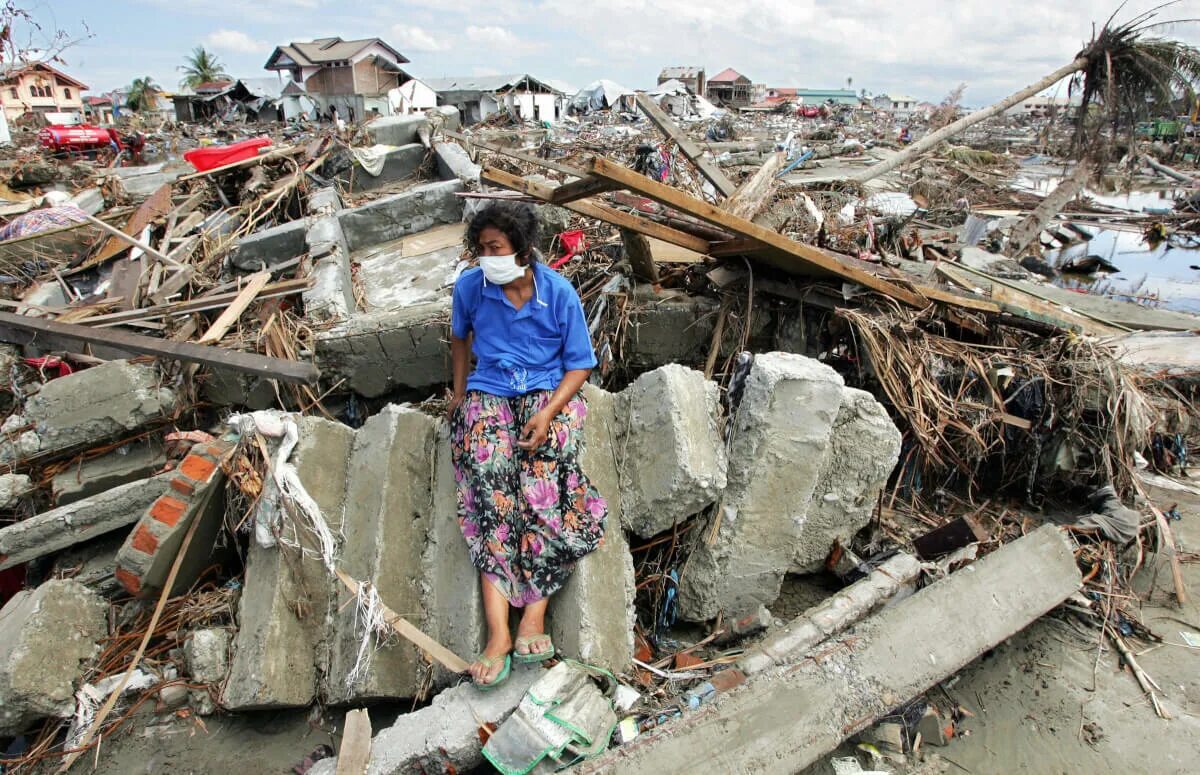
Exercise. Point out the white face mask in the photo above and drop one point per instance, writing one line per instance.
(501, 270)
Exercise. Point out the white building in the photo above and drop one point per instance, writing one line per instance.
(478, 97)
(413, 96)
(900, 105)
(1041, 105)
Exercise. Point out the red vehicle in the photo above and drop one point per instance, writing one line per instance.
(79, 139)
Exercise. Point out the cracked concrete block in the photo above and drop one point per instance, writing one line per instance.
(454, 162)
(399, 163)
(281, 651)
(269, 247)
(206, 654)
(780, 435)
(591, 617)
(389, 509)
(13, 487)
(46, 637)
(393, 217)
(671, 456)
(397, 130)
(864, 447)
(131, 462)
(90, 406)
(331, 296)
(380, 351)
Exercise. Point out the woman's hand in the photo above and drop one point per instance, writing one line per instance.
(534, 434)
(453, 401)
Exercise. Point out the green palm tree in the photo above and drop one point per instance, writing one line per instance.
(202, 67)
(1124, 72)
(141, 94)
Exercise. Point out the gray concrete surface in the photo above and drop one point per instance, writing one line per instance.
(83, 520)
(378, 352)
(454, 162)
(397, 130)
(670, 453)
(270, 246)
(780, 434)
(47, 635)
(395, 216)
(391, 281)
(403, 161)
(128, 463)
(331, 296)
(784, 719)
(864, 447)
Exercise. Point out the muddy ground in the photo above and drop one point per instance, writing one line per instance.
(1047, 702)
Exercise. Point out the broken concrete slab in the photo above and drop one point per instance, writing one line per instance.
(130, 462)
(206, 654)
(389, 508)
(391, 281)
(280, 651)
(592, 616)
(781, 430)
(376, 353)
(399, 162)
(193, 492)
(331, 296)
(783, 720)
(397, 130)
(454, 162)
(444, 736)
(864, 447)
(90, 406)
(670, 452)
(46, 636)
(669, 329)
(264, 249)
(412, 211)
(83, 520)
(93, 564)
(13, 487)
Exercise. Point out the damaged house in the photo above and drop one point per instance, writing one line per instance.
(730, 88)
(353, 76)
(39, 88)
(479, 97)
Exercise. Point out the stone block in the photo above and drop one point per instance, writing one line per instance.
(47, 635)
(454, 162)
(671, 456)
(90, 406)
(280, 651)
(412, 211)
(591, 617)
(781, 430)
(397, 130)
(131, 462)
(83, 520)
(389, 509)
(269, 247)
(864, 447)
(378, 352)
(13, 487)
(206, 654)
(331, 296)
(194, 491)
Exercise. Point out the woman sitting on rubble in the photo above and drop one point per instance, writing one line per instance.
(526, 509)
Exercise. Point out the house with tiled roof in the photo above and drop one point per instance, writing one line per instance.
(351, 76)
(729, 88)
(36, 87)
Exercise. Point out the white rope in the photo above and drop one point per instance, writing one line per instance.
(369, 620)
(90, 696)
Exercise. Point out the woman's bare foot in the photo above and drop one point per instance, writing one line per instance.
(485, 672)
(531, 632)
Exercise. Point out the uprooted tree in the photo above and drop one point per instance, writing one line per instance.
(1124, 71)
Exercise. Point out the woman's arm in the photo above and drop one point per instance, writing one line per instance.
(533, 435)
(460, 358)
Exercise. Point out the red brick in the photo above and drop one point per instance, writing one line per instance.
(217, 450)
(725, 680)
(130, 581)
(183, 486)
(198, 468)
(168, 510)
(144, 541)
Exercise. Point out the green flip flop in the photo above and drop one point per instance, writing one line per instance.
(533, 656)
(500, 678)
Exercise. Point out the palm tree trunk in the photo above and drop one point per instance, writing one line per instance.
(1026, 232)
(932, 139)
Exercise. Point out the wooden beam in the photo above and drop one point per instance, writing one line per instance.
(157, 205)
(137, 243)
(792, 256)
(641, 259)
(580, 189)
(51, 335)
(689, 149)
(594, 209)
(226, 320)
(354, 754)
(753, 195)
(1026, 305)
(198, 304)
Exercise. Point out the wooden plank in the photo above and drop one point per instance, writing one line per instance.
(408, 631)
(580, 189)
(137, 243)
(157, 205)
(594, 209)
(198, 304)
(1026, 305)
(563, 169)
(641, 259)
(666, 253)
(52, 335)
(752, 196)
(229, 317)
(689, 149)
(792, 256)
(262, 158)
(172, 285)
(953, 535)
(181, 229)
(354, 754)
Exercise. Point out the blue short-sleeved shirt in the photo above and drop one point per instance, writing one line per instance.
(518, 351)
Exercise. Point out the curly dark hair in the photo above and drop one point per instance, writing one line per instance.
(517, 220)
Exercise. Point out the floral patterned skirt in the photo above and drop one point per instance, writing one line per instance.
(527, 516)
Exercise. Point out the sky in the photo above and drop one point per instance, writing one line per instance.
(923, 48)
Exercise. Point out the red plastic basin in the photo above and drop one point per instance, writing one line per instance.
(205, 159)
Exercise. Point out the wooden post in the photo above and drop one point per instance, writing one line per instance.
(641, 259)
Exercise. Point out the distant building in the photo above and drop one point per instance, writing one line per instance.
(900, 105)
(478, 97)
(846, 97)
(729, 88)
(37, 87)
(353, 76)
(691, 77)
(98, 110)
(1041, 105)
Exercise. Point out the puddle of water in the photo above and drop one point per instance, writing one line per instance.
(1148, 200)
(1166, 273)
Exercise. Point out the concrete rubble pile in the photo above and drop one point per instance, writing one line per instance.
(766, 412)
